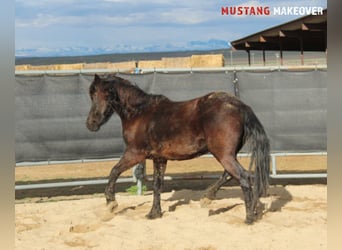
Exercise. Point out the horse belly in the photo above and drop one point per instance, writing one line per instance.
(175, 131)
(179, 148)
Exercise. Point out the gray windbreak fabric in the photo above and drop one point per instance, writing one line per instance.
(51, 110)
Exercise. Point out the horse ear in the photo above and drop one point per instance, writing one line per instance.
(97, 79)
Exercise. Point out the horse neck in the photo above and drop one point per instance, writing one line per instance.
(131, 101)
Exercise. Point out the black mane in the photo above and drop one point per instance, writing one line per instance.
(126, 98)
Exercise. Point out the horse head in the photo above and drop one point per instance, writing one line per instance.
(101, 108)
(114, 94)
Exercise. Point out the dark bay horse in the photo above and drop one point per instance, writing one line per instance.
(154, 127)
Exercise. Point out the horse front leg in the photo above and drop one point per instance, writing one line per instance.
(159, 167)
(127, 161)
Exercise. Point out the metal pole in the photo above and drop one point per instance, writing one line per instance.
(274, 165)
(301, 51)
(274, 175)
(70, 183)
(139, 173)
(298, 176)
(163, 70)
(249, 57)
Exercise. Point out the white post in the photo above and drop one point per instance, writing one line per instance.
(139, 172)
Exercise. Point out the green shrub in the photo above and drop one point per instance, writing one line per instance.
(134, 189)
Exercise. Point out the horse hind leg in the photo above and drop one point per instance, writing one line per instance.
(234, 168)
(210, 193)
(212, 190)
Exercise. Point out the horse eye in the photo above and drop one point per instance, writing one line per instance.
(93, 97)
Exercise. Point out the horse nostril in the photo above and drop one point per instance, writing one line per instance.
(92, 126)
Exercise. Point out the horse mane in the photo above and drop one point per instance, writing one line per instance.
(126, 98)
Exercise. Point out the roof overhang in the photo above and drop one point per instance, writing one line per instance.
(308, 33)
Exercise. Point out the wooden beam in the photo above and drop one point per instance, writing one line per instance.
(314, 26)
(260, 46)
(290, 33)
(262, 39)
(269, 39)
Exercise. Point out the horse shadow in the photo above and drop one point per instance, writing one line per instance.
(278, 197)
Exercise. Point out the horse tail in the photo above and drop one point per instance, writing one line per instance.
(255, 135)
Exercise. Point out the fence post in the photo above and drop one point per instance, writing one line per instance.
(139, 172)
(236, 84)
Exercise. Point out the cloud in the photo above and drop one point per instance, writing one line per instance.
(41, 14)
(121, 13)
(186, 16)
(131, 24)
(44, 3)
(285, 3)
(45, 20)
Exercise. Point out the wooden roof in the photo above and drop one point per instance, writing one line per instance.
(308, 33)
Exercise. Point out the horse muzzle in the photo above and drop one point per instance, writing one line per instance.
(92, 126)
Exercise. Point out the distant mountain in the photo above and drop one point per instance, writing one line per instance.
(66, 51)
(115, 57)
(211, 44)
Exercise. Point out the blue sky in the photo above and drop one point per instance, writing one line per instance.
(71, 27)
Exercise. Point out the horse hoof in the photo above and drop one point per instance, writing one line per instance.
(112, 205)
(152, 216)
(249, 221)
(210, 195)
(104, 212)
(205, 202)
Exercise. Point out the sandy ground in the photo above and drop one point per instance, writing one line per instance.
(295, 217)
